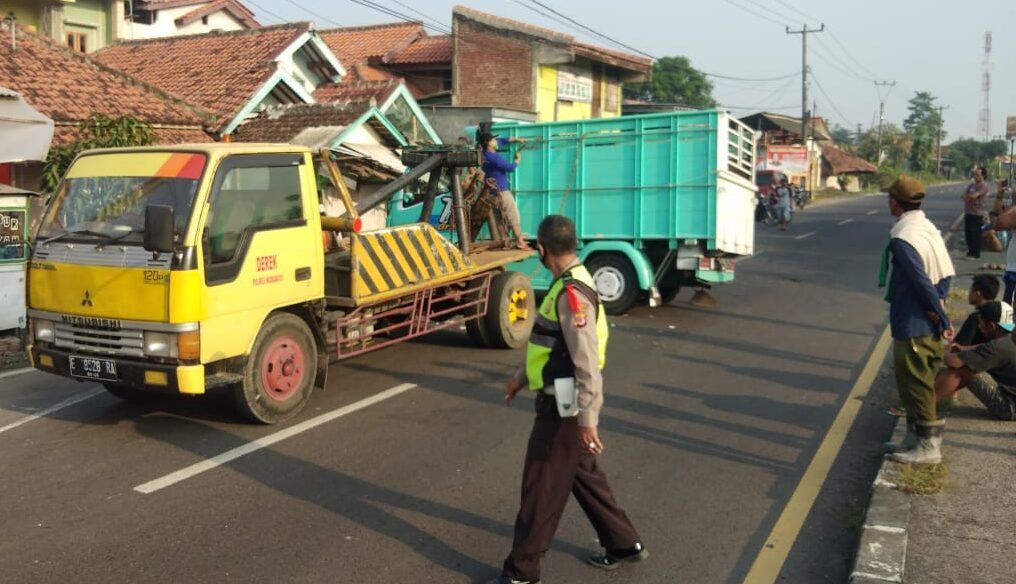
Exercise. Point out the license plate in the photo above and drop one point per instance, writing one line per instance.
(91, 368)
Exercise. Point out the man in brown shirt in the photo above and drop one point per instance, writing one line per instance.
(569, 340)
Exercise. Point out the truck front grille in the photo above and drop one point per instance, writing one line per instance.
(119, 342)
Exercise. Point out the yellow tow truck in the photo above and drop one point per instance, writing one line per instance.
(189, 267)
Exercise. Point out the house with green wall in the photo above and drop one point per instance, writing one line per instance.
(83, 25)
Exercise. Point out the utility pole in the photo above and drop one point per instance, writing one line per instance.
(804, 32)
(881, 117)
(938, 167)
(804, 92)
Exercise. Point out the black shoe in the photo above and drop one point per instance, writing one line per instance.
(502, 579)
(611, 561)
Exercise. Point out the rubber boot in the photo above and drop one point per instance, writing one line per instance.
(929, 445)
(909, 441)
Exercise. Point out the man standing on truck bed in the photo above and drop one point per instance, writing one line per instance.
(497, 167)
(568, 341)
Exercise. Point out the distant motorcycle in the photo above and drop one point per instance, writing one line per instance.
(801, 198)
(764, 212)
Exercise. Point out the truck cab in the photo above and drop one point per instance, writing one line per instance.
(184, 268)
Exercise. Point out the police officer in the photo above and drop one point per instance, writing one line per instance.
(569, 340)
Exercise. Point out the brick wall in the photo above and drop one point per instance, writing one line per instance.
(492, 69)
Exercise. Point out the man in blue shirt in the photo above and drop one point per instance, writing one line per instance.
(496, 167)
(919, 283)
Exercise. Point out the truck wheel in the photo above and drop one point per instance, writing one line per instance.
(279, 375)
(128, 394)
(511, 311)
(616, 282)
(669, 292)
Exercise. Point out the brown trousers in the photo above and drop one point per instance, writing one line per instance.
(510, 213)
(556, 465)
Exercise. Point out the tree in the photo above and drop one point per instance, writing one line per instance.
(98, 131)
(964, 154)
(923, 125)
(896, 145)
(674, 81)
(843, 137)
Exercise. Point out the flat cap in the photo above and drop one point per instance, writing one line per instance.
(907, 189)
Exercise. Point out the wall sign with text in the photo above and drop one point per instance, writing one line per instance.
(12, 234)
(574, 84)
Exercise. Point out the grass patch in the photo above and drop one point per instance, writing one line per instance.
(920, 479)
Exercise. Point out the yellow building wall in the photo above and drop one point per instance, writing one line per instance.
(546, 92)
(26, 12)
(550, 109)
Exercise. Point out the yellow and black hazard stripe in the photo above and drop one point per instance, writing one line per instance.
(389, 259)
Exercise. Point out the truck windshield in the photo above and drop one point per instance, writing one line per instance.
(104, 195)
(84, 207)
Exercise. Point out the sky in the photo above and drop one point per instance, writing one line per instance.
(935, 46)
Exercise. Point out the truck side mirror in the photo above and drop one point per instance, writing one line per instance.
(159, 225)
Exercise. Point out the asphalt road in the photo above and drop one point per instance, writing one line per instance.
(711, 417)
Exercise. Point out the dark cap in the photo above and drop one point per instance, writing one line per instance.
(907, 189)
(997, 312)
(484, 138)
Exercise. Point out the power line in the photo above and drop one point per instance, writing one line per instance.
(268, 12)
(550, 17)
(424, 15)
(761, 15)
(575, 23)
(397, 14)
(314, 14)
(804, 14)
(759, 79)
(839, 63)
(595, 32)
(829, 100)
(837, 66)
(851, 56)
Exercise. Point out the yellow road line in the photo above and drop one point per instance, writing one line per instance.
(770, 559)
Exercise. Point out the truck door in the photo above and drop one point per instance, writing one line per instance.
(257, 247)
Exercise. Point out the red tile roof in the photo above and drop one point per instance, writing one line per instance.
(282, 124)
(360, 43)
(357, 91)
(217, 70)
(68, 87)
(234, 8)
(425, 50)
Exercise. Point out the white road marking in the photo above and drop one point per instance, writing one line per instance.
(872, 212)
(845, 221)
(6, 374)
(54, 408)
(266, 441)
(806, 235)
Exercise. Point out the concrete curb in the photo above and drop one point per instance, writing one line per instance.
(882, 550)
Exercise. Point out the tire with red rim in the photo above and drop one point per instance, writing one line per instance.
(279, 375)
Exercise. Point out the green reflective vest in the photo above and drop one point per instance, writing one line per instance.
(547, 355)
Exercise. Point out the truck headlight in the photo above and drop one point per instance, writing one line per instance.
(159, 344)
(45, 330)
